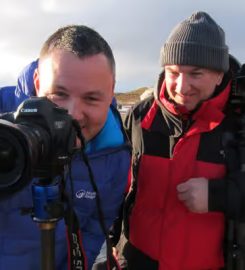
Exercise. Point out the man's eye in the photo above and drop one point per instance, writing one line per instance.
(173, 74)
(91, 99)
(61, 94)
(196, 74)
(58, 95)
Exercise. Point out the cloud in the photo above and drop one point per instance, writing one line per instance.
(135, 30)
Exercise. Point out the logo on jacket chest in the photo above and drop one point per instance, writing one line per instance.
(84, 194)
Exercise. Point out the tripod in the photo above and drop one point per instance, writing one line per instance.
(47, 211)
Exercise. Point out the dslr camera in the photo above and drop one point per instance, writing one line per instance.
(37, 140)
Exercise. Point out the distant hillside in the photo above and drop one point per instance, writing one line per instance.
(131, 96)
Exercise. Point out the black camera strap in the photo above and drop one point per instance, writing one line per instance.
(76, 256)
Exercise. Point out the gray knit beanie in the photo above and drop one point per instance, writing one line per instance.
(197, 41)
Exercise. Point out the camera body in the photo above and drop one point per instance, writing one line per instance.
(35, 141)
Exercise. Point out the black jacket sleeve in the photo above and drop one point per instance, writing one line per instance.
(228, 194)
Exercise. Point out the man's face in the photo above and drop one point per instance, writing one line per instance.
(189, 85)
(82, 86)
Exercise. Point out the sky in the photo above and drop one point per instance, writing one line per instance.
(135, 30)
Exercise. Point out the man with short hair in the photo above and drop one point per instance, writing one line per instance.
(181, 192)
(75, 70)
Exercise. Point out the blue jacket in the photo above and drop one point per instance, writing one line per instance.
(109, 158)
(6, 99)
(12, 96)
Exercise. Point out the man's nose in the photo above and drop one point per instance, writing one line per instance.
(75, 109)
(182, 84)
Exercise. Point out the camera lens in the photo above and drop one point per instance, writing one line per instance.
(7, 156)
(13, 156)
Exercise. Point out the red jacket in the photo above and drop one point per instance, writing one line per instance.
(170, 149)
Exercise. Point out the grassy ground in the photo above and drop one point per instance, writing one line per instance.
(130, 97)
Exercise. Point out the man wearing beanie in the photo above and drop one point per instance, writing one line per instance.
(183, 192)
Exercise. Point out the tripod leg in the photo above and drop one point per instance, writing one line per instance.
(47, 246)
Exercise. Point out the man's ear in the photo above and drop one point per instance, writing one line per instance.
(113, 89)
(220, 78)
(36, 81)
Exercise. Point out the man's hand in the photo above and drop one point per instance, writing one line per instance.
(194, 194)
